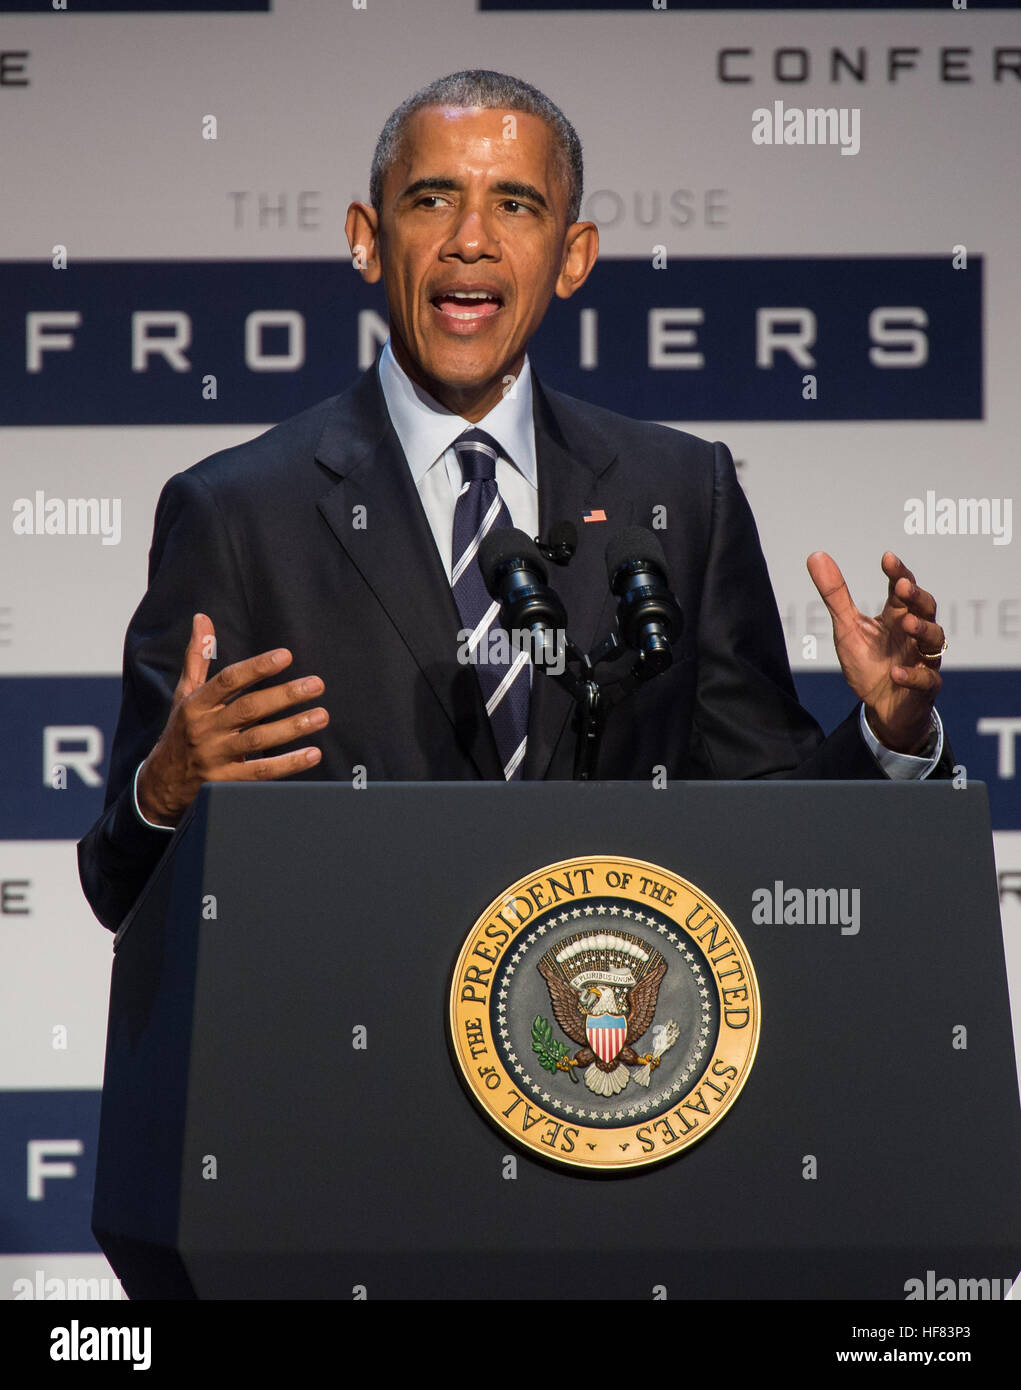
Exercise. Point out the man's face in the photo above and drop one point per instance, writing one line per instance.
(471, 244)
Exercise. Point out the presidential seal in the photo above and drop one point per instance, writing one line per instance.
(604, 1013)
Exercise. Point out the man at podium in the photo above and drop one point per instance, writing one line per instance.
(320, 580)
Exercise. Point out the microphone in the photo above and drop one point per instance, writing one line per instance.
(648, 616)
(562, 543)
(515, 576)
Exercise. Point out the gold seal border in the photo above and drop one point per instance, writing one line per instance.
(550, 1143)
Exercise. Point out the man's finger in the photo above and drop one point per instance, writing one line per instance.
(921, 677)
(243, 742)
(895, 571)
(270, 769)
(904, 592)
(199, 652)
(253, 706)
(233, 679)
(929, 636)
(894, 568)
(833, 590)
(919, 601)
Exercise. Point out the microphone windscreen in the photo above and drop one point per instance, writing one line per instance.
(508, 543)
(632, 544)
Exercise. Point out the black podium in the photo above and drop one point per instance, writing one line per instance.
(249, 1148)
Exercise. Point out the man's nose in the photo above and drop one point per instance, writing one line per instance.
(473, 237)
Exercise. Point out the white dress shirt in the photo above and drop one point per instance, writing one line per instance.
(427, 431)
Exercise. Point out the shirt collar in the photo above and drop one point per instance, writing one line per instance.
(427, 429)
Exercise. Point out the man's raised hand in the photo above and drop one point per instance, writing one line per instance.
(213, 726)
(884, 658)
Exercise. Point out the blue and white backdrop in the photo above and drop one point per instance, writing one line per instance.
(844, 315)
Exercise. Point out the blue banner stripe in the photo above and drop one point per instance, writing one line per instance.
(274, 336)
(32, 810)
(139, 6)
(581, 6)
(59, 1217)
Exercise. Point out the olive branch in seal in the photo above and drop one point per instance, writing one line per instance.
(549, 1050)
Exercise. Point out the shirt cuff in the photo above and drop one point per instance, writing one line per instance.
(138, 810)
(905, 767)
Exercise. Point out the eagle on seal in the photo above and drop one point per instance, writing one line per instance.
(604, 988)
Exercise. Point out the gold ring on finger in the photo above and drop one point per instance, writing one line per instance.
(934, 656)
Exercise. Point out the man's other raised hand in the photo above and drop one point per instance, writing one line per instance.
(214, 728)
(890, 661)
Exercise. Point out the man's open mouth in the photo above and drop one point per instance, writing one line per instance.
(467, 306)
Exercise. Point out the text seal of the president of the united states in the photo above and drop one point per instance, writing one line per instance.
(604, 1012)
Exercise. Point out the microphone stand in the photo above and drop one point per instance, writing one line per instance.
(591, 707)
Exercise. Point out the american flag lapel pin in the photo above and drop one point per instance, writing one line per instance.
(596, 514)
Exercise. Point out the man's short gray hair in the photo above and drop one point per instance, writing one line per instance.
(478, 87)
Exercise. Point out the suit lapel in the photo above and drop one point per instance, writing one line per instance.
(575, 477)
(395, 553)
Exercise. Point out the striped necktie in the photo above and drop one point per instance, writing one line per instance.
(505, 684)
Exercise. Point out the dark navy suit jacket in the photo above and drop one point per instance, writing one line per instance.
(313, 537)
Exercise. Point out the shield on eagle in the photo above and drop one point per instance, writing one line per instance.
(606, 1035)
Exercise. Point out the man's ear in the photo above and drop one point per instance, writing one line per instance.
(362, 228)
(581, 247)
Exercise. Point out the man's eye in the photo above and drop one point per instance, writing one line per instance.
(512, 205)
(430, 200)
